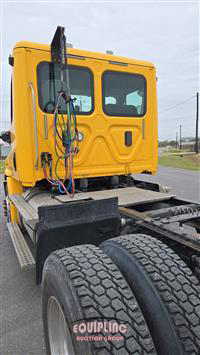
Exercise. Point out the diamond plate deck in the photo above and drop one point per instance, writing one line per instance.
(126, 196)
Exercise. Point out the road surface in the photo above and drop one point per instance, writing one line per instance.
(184, 183)
(21, 330)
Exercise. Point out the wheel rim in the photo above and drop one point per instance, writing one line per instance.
(59, 336)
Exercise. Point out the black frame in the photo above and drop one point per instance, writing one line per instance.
(103, 93)
(82, 113)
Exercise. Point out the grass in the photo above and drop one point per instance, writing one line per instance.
(1, 167)
(180, 160)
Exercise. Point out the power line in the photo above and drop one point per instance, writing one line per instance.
(180, 118)
(180, 103)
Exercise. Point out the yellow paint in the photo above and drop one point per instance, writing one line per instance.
(14, 187)
(103, 151)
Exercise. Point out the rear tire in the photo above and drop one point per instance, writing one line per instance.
(166, 290)
(82, 284)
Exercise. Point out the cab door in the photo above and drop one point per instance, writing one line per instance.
(124, 127)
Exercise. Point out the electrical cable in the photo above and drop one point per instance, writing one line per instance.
(180, 103)
(65, 133)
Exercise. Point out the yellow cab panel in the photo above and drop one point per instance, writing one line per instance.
(116, 108)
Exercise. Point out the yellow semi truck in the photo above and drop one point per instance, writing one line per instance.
(119, 273)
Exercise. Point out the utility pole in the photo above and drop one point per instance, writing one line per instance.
(176, 140)
(180, 137)
(197, 124)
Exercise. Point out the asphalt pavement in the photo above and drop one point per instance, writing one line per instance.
(21, 330)
(184, 183)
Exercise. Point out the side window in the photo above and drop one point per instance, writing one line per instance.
(110, 100)
(81, 87)
(124, 94)
(136, 98)
(83, 103)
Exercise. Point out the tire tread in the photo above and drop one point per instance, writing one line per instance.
(174, 282)
(103, 293)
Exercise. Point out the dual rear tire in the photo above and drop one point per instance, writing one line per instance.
(133, 280)
(165, 289)
(82, 285)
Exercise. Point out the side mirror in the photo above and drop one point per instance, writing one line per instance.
(6, 136)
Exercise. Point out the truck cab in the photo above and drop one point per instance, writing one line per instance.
(116, 112)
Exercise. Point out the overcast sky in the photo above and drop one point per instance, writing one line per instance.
(163, 32)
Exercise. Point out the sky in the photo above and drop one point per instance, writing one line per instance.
(163, 32)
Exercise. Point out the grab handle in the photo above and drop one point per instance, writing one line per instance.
(30, 84)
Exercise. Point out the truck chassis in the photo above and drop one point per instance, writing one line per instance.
(133, 207)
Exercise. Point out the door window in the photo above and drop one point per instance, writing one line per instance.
(124, 94)
(81, 88)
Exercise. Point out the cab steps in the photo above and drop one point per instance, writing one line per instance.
(24, 255)
(24, 209)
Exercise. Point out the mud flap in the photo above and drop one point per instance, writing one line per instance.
(74, 223)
